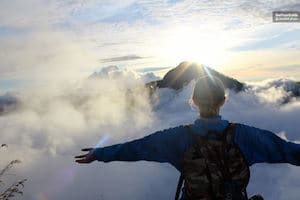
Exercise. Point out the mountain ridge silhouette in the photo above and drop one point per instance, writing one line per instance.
(185, 72)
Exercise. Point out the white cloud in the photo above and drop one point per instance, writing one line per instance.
(30, 13)
(54, 123)
(65, 26)
(46, 54)
(250, 13)
(39, 13)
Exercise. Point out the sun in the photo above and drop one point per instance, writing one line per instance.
(192, 45)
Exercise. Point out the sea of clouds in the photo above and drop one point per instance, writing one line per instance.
(52, 123)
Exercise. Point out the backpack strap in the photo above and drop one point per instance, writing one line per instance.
(179, 185)
(181, 177)
(227, 136)
(228, 132)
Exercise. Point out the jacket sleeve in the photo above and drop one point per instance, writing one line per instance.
(162, 146)
(262, 146)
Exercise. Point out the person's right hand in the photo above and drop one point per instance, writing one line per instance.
(86, 158)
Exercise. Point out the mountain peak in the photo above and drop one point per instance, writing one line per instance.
(185, 72)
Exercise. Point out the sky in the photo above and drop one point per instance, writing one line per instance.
(49, 41)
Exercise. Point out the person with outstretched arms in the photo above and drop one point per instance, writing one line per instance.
(212, 154)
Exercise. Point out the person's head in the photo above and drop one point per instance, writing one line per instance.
(209, 96)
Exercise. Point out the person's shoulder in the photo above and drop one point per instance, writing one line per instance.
(174, 135)
(183, 128)
(248, 129)
(180, 129)
(242, 125)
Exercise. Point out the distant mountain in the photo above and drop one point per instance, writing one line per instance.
(295, 89)
(185, 72)
(290, 86)
(8, 102)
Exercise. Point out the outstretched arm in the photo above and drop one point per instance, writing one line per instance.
(86, 158)
(162, 146)
(260, 146)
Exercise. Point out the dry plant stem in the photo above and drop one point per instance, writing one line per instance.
(9, 166)
(16, 187)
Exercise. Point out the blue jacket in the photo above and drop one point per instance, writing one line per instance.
(257, 145)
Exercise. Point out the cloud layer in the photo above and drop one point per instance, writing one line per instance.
(45, 55)
(55, 122)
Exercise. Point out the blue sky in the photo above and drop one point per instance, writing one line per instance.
(272, 41)
(67, 40)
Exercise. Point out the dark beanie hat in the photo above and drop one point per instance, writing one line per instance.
(209, 90)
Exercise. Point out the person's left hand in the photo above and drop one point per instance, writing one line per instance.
(86, 158)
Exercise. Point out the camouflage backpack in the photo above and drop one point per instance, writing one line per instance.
(214, 168)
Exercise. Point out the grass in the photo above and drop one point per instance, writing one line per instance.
(10, 191)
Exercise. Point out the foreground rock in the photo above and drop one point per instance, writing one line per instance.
(8, 103)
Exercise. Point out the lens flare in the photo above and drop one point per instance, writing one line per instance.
(57, 182)
(42, 196)
(102, 141)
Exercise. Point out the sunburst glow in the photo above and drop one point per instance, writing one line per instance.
(189, 44)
